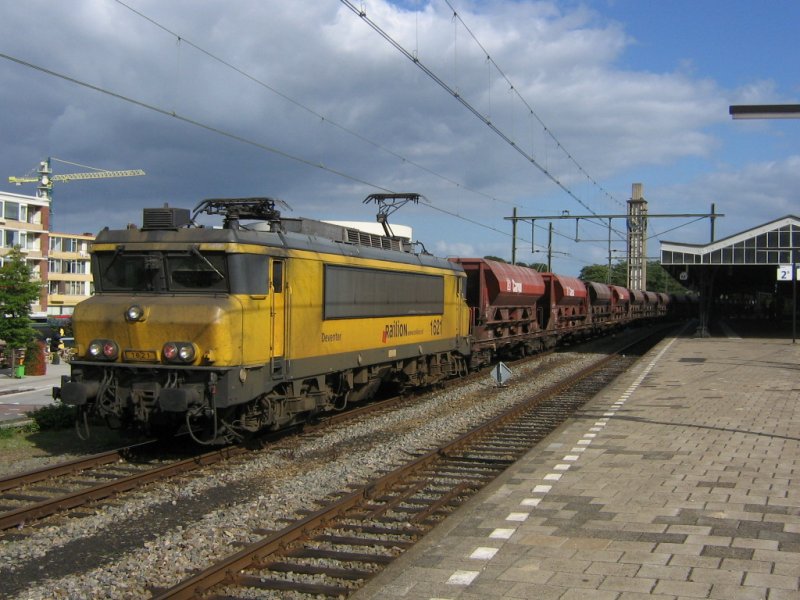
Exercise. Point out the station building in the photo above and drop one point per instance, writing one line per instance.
(747, 275)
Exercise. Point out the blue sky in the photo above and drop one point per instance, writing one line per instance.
(326, 112)
(734, 42)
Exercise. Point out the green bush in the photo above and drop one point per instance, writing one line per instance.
(54, 416)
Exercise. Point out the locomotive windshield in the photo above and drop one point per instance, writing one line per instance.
(196, 271)
(192, 271)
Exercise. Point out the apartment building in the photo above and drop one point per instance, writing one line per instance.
(69, 275)
(59, 260)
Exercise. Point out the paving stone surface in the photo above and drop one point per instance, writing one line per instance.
(680, 480)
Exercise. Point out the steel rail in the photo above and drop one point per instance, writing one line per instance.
(45, 508)
(16, 480)
(229, 570)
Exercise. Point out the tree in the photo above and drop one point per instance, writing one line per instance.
(599, 273)
(17, 292)
(541, 267)
(658, 280)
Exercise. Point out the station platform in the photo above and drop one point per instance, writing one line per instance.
(680, 480)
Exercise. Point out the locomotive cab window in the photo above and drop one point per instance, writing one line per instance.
(196, 271)
(157, 272)
(120, 272)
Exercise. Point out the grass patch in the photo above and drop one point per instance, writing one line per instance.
(23, 443)
(54, 416)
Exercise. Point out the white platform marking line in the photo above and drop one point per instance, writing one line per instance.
(502, 533)
(530, 502)
(483, 553)
(518, 516)
(463, 577)
(638, 381)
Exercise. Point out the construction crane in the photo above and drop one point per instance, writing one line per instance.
(46, 178)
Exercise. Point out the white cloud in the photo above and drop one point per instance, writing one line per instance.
(618, 124)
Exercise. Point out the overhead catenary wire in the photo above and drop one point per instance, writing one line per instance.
(222, 132)
(180, 39)
(491, 62)
(529, 108)
(187, 120)
(463, 101)
(682, 225)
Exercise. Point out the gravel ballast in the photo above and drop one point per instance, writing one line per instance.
(157, 536)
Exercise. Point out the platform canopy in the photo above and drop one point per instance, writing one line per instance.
(747, 262)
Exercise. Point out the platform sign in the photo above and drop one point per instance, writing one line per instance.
(501, 373)
(785, 272)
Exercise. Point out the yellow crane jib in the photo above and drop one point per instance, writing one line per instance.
(45, 177)
(71, 176)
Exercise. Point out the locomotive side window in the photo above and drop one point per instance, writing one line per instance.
(277, 276)
(247, 274)
(352, 293)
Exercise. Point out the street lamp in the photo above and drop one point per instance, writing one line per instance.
(765, 111)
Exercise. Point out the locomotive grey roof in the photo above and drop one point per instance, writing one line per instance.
(294, 234)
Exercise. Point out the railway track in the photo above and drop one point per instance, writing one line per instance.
(33, 495)
(333, 550)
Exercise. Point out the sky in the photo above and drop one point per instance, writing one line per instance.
(483, 108)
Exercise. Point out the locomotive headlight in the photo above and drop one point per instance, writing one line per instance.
(103, 350)
(170, 351)
(134, 313)
(186, 353)
(178, 352)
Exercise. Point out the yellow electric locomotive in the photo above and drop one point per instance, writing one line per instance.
(251, 326)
